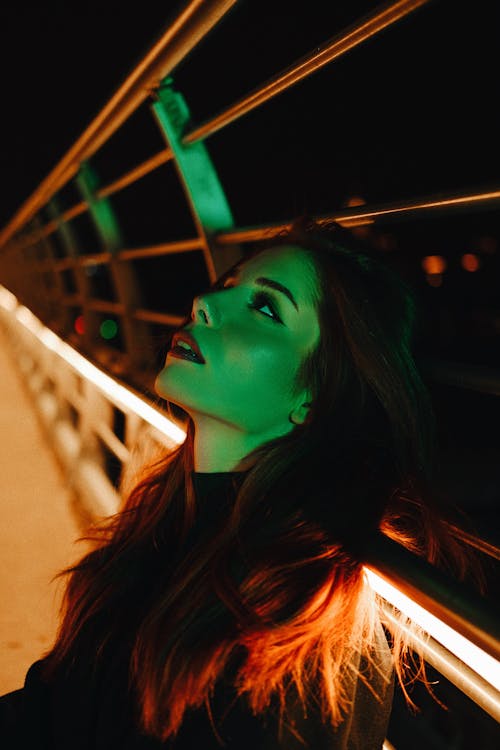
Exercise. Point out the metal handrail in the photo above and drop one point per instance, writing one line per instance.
(96, 259)
(351, 37)
(141, 170)
(347, 217)
(451, 667)
(36, 346)
(194, 22)
(357, 216)
(126, 179)
(450, 601)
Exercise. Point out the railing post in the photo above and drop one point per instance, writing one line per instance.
(136, 333)
(20, 273)
(206, 198)
(70, 243)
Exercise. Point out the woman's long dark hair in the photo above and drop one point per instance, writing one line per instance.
(279, 580)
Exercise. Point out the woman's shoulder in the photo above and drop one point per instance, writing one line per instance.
(23, 713)
(11, 708)
(32, 681)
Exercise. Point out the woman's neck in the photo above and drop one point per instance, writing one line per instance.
(220, 447)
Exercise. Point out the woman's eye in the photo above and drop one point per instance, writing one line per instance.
(263, 300)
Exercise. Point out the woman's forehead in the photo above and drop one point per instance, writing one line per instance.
(288, 264)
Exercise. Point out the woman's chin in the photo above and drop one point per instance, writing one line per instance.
(166, 390)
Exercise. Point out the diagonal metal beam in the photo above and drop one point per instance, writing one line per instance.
(192, 24)
(379, 19)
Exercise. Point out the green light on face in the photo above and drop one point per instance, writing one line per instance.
(108, 329)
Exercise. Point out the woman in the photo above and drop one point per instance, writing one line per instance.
(225, 604)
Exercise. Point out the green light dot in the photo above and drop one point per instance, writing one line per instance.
(108, 329)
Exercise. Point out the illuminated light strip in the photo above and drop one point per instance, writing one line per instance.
(7, 299)
(459, 674)
(117, 393)
(477, 659)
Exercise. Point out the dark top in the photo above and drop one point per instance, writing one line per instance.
(93, 711)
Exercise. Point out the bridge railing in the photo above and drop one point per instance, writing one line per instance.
(96, 400)
(78, 405)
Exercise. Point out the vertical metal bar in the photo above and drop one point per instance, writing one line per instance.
(209, 206)
(70, 244)
(43, 250)
(15, 271)
(136, 333)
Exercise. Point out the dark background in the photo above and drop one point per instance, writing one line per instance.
(411, 112)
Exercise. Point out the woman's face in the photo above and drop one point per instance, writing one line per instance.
(253, 339)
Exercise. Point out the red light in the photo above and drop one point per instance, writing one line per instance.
(470, 262)
(80, 325)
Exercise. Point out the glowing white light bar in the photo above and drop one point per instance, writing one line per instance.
(477, 659)
(117, 393)
(7, 299)
(456, 673)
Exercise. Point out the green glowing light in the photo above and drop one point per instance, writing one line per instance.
(108, 329)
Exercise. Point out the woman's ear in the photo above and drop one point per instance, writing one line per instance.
(301, 414)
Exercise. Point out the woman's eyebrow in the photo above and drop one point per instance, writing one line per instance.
(263, 281)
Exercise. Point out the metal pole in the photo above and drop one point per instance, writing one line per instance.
(193, 23)
(367, 215)
(358, 32)
(451, 667)
(452, 602)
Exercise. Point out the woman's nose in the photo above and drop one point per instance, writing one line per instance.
(202, 310)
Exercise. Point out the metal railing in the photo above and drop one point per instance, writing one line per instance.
(77, 402)
(77, 405)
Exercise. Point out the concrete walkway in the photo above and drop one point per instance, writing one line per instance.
(37, 531)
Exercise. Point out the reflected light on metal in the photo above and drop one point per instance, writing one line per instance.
(448, 664)
(118, 394)
(477, 659)
(7, 300)
(464, 200)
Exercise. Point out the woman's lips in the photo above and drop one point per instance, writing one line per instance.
(180, 353)
(188, 338)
